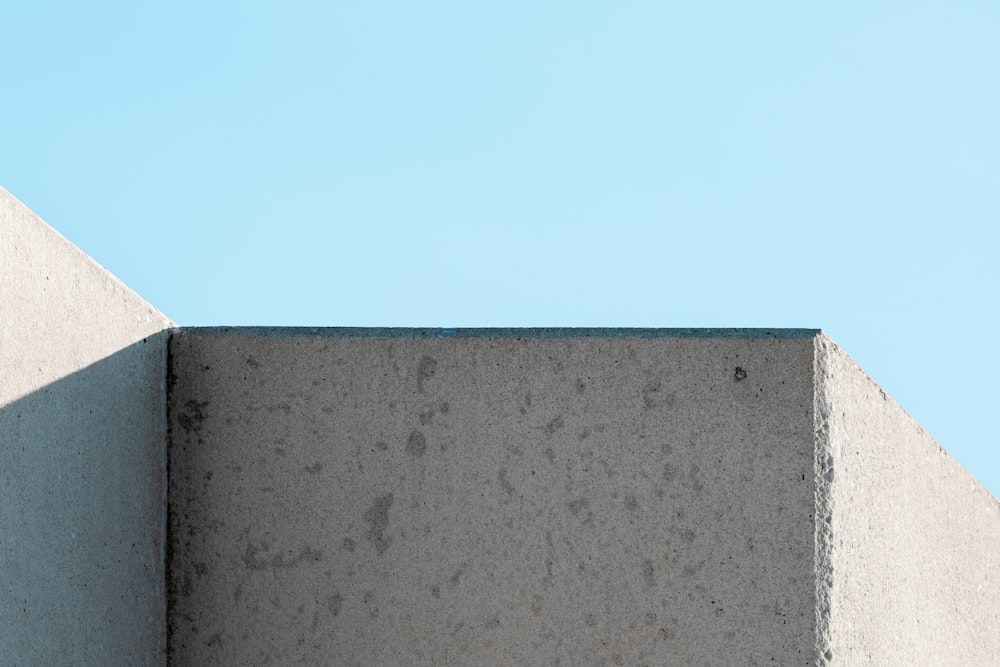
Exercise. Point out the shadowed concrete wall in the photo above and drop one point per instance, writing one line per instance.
(556, 499)
(82, 379)
(566, 497)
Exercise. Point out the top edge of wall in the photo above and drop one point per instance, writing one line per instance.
(55, 241)
(531, 332)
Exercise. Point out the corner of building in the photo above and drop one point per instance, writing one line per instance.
(83, 422)
(907, 570)
(823, 481)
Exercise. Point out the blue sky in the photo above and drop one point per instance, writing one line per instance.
(774, 164)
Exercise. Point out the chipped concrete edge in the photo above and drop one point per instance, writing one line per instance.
(823, 513)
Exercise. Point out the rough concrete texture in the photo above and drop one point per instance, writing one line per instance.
(469, 497)
(82, 395)
(564, 498)
(911, 557)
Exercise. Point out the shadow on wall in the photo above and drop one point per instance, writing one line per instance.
(82, 515)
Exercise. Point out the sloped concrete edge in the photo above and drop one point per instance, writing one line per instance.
(907, 541)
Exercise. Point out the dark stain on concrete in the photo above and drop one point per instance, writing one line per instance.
(690, 570)
(581, 508)
(436, 592)
(367, 599)
(192, 416)
(253, 560)
(649, 393)
(554, 425)
(648, 573)
(550, 559)
(505, 483)
(456, 578)
(252, 363)
(694, 475)
(416, 444)
(347, 544)
(335, 603)
(550, 454)
(536, 604)
(315, 468)
(425, 371)
(631, 504)
(377, 518)
(740, 374)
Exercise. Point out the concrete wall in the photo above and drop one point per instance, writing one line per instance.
(914, 541)
(470, 497)
(82, 375)
(563, 498)
(396, 498)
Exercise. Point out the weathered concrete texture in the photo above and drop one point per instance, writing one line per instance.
(564, 498)
(82, 396)
(469, 497)
(914, 541)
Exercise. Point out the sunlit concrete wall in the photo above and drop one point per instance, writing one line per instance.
(82, 486)
(909, 547)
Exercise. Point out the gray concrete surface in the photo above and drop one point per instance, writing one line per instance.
(82, 396)
(563, 497)
(462, 497)
(566, 498)
(913, 544)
